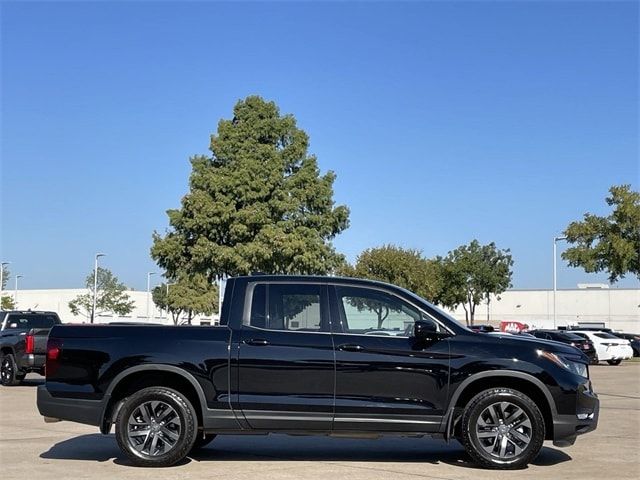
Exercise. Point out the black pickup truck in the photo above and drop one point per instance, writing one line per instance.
(23, 342)
(318, 356)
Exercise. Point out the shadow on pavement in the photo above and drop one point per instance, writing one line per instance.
(102, 448)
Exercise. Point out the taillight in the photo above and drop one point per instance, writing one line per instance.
(54, 348)
(53, 352)
(28, 348)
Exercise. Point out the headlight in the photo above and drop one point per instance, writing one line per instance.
(573, 366)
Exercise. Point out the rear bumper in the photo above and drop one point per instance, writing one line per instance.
(566, 428)
(32, 362)
(88, 412)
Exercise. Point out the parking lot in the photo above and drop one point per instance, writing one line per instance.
(32, 449)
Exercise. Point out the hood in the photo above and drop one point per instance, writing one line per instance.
(521, 341)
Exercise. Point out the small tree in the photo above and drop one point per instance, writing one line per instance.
(6, 301)
(257, 203)
(612, 243)
(111, 296)
(192, 294)
(472, 273)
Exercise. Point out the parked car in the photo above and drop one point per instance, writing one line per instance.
(23, 341)
(298, 355)
(634, 341)
(482, 328)
(584, 345)
(609, 348)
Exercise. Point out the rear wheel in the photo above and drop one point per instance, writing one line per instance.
(502, 428)
(615, 362)
(9, 374)
(156, 427)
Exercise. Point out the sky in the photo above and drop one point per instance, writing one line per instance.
(444, 121)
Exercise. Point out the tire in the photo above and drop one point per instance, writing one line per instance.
(493, 443)
(9, 373)
(202, 441)
(156, 427)
(615, 362)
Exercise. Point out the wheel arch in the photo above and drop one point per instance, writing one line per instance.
(4, 350)
(520, 381)
(142, 376)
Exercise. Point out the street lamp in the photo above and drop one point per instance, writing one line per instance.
(95, 284)
(555, 275)
(149, 290)
(2, 265)
(15, 293)
(167, 299)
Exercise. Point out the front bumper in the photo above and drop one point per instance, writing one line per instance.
(89, 412)
(566, 428)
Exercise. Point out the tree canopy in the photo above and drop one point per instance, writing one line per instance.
(192, 295)
(612, 243)
(257, 203)
(472, 273)
(406, 268)
(111, 296)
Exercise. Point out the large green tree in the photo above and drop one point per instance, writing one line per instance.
(608, 244)
(190, 294)
(111, 296)
(257, 203)
(472, 273)
(406, 268)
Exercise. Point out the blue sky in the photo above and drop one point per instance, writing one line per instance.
(444, 121)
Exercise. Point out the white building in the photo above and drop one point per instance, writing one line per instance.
(617, 308)
(57, 300)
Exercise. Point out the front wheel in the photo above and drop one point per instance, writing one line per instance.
(9, 374)
(156, 427)
(615, 362)
(502, 428)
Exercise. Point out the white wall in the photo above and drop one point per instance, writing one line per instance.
(58, 301)
(617, 308)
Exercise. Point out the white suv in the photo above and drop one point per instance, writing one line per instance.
(609, 348)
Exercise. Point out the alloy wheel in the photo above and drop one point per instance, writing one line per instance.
(154, 428)
(6, 370)
(504, 430)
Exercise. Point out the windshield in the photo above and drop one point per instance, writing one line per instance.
(571, 337)
(606, 335)
(439, 309)
(26, 321)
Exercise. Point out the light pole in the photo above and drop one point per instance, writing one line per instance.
(149, 290)
(95, 284)
(167, 299)
(2, 265)
(555, 275)
(15, 293)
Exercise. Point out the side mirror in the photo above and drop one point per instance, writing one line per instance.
(424, 331)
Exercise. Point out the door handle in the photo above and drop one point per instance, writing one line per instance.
(350, 347)
(258, 342)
